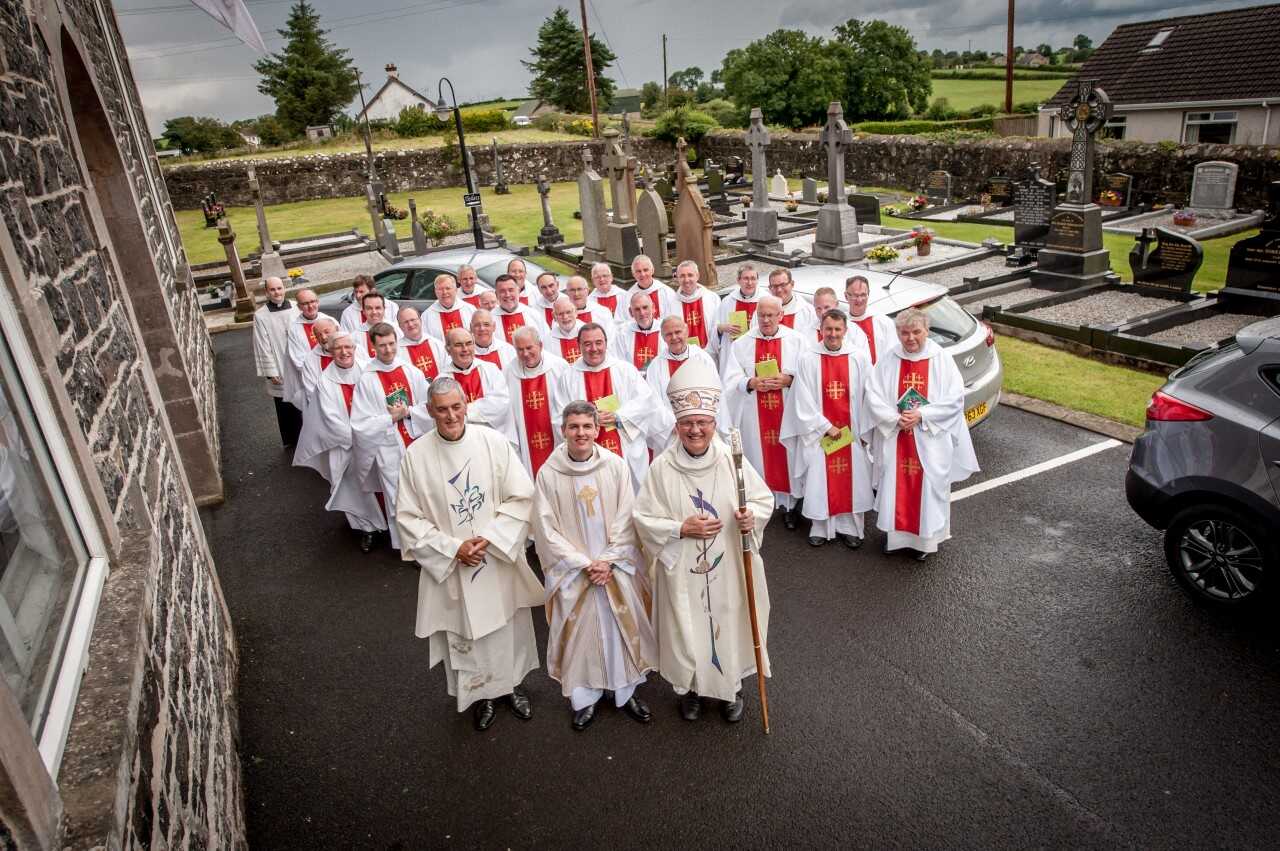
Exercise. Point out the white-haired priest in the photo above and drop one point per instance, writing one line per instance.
(463, 515)
(689, 523)
(601, 637)
(917, 405)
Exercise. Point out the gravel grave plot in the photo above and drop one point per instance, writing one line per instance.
(987, 267)
(1211, 329)
(1008, 299)
(1101, 308)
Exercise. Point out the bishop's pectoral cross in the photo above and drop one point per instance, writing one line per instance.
(587, 496)
(1085, 114)
(835, 390)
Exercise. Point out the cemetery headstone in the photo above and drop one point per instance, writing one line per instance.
(837, 236)
(419, 235)
(1170, 267)
(269, 259)
(762, 219)
(1254, 263)
(1213, 189)
(716, 198)
(594, 214)
(664, 189)
(212, 210)
(778, 185)
(550, 235)
(735, 171)
(626, 133)
(1000, 190)
(1117, 190)
(651, 219)
(243, 301)
(375, 214)
(937, 188)
(499, 184)
(693, 222)
(866, 207)
(622, 239)
(1033, 201)
(809, 190)
(1073, 255)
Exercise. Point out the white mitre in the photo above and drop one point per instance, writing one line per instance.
(694, 389)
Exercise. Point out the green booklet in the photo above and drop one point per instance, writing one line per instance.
(911, 400)
(399, 396)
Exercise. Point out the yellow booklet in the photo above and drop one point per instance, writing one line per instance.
(767, 369)
(695, 342)
(831, 445)
(608, 403)
(738, 319)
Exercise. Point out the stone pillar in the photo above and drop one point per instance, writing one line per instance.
(837, 238)
(762, 219)
(243, 300)
(269, 259)
(550, 235)
(419, 235)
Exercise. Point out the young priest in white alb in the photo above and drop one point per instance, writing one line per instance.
(270, 352)
(533, 383)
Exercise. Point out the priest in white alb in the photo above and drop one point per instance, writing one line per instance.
(640, 340)
(301, 339)
(271, 351)
(699, 307)
(577, 291)
(630, 415)
(489, 346)
(600, 637)
(416, 346)
(448, 311)
(470, 286)
(917, 405)
(482, 382)
(878, 330)
(561, 336)
(375, 310)
(609, 295)
(353, 317)
(326, 442)
(465, 507)
(511, 314)
(533, 384)
(797, 314)
(737, 310)
(691, 528)
(388, 413)
(545, 301)
(824, 427)
(318, 358)
(662, 296)
(675, 355)
(757, 393)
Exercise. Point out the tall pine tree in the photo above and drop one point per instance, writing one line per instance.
(310, 79)
(560, 66)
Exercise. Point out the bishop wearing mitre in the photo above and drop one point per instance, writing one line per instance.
(598, 595)
(463, 515)
(917, 405)
(691, 528)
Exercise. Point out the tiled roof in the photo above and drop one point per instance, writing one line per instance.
(1231, 55)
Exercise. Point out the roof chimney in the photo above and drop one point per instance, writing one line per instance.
(391, 70)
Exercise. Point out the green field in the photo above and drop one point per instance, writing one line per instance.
(966, 94)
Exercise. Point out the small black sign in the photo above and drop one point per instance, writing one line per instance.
(1170, 267)
(1033, 204)
(471, 199)
(1066, 231)
(1255, 262)
(1000, 189)
(866, 207)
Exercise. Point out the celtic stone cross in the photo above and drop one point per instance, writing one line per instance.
(1085, 114)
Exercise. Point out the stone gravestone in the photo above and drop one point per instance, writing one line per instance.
(1255, 261)
(693, 222)
(1213, 189)
(594, 214)
(1000, 190)
(243, 301)
(269, 258)
(415, 226)
(809, 190)
(499, 184)
(837, 237)
(375, 216)
(735, 171)
(1073, 255)
(866, 207)
(651, 218)
(1033, 199)
(664, 189)
(550, 235)
(1122, 185)
(716, 198)
(762, 219)
(778, 185)
(1168, 269)
(621, 239)
(937, 188)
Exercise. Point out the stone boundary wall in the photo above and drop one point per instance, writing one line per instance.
(315, 176)
(903, 161)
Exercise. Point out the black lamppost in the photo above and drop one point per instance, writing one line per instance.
(442, 112)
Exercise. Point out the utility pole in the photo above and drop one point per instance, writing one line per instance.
(1008, 63)
(591, 71)
(664, 69)
(368, 143)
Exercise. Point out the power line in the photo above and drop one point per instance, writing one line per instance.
(184, 7)
(600, 26)
(1060, 18)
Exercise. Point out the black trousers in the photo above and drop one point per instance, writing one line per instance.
(290, 420)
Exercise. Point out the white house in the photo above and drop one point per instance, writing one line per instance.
(394, 96)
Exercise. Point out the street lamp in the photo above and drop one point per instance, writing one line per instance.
(442, 112)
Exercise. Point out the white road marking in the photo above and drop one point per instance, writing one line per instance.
(1034, 469)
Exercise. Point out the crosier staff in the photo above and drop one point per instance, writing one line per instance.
(735, 441)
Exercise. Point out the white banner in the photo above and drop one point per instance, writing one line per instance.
(233, 15)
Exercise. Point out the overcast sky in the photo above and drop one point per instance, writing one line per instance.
(185, 63)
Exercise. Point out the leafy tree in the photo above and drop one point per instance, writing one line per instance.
(1044, 50)
(690, 124)
(269, 130)
(560, 67)
(310, 79)
(651, 95)
(705, 92)
(1082, 42)
(884, 75)
(689, 78)
(193, 135)
(788, 74)
(724, 112)
(717, 77)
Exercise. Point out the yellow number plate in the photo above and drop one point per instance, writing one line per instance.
(975, 413)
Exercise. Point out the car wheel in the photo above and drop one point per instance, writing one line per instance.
(1220, 556)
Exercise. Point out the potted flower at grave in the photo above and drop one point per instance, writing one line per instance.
(922, 239)
(296, 275)
(436, 227)
(1109, 198)
(918, 203)
(1184, 218)
(882, 254)
(792, 203)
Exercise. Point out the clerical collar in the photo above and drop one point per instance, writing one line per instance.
(680, 356)
(417, 342)
(648, 330)
(513, 311)
(442, 307)
(457, 368)
(857, 318)
(788, 301)
(590, 457)
(454, 440)
(272, 307)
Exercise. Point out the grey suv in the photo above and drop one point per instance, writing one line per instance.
(1207, 468)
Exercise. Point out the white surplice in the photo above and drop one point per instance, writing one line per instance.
(664, 299)
(476, 618)
(622, 303)
(298, 344)
(352, 318)
(562, 343)
(706, 305)
(505, 352)
(529, 318)
(492, 406)
(731, 302)
(700, 601)
(799, 316)
(271, 345)
(942, 442)
(378, 444)
(805, 424)
(740, 403)
(433, 317)
(598, 314)
(517, 375)
(623, 344)
(600, 637)
(325, 445)
(364, 344)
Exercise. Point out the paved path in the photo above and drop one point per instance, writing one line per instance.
(1040, 682)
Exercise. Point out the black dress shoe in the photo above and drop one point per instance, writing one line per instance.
(635, 707)
(851, 541)
(366, 543)
(521, 706)
(921, 556)
(791, 519)
(583, 717)
(485, 712)
(690, 706)
(815, 541)
(732, 710)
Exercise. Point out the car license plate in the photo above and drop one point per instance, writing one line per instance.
(975, 413)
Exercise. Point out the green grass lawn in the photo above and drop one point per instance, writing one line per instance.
(1074, 382)
(966, 94)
